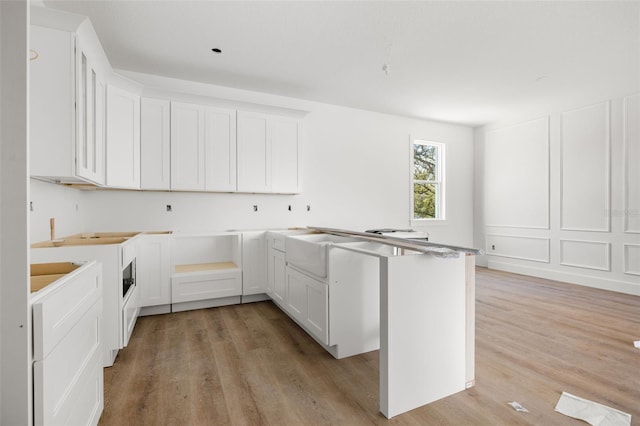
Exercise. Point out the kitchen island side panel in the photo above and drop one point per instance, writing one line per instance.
(422, 330)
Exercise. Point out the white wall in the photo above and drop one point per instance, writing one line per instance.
(63, 204)
(593, 193)
(16, 385)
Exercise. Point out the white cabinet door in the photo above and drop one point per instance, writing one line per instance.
(308, 302)
(254, 153)
(285, 171)
(153, 270)
(254, 274)
(220, 149)
(268, 157)
(317, 319)
(90, 106)
(52, 103)
(187, 147)
(123, 139)
(296, 301)
(155, 144)
(276, 287)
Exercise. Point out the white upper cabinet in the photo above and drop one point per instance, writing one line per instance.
(267, 154)
(203, 148)
(254, 165)
(187, 147)
(220, 149)
(254, 265)
(155, 144)
(67, 104)
(90, 118)
(285, 165)
(123, 138)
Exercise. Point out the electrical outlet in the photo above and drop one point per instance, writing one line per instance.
(493, 246)
(308, 208)
(31, 205)
(169, 208)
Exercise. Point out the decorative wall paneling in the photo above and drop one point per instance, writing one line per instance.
(632, 259)
(518, 247)
(632, 164)
(586, 254)
(521, 153)
(585, 169)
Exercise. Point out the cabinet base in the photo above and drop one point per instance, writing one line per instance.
(203, 304)
(154, 310)
(250, 298)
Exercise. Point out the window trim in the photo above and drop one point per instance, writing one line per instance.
(440, 182)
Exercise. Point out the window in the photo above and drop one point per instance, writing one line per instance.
(427, 181)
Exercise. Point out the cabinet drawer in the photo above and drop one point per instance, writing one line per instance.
(192, 287)
(56, 314)
(68, 382)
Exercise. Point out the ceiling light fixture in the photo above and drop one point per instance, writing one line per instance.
(216, 50)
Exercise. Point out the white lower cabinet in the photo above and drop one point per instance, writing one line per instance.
(194, 286)
(154, 270)
(67, 349)
(254, 270)
(308, 302)
(205, 270)
(276, 287)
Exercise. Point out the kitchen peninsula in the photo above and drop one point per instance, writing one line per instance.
(352, 292)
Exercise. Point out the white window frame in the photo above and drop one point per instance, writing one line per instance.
(439, 182)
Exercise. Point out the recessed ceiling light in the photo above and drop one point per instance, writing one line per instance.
(216, 50)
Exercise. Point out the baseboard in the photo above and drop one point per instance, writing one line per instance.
(585, 280)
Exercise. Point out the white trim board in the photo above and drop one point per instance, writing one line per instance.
(517, 175)
(567, 277)
(585, 168)
(631, 149)
(585, 254)
(631, 267)
(536, 249)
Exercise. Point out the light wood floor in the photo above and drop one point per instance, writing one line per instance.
(251, 365)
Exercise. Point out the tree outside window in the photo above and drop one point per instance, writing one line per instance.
(427, 180)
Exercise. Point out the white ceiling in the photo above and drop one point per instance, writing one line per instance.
(463, 62)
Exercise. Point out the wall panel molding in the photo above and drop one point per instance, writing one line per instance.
(517, 175)
(586, 254)
(631, 151)
(535, 249)
(585, 169)
(631, 259)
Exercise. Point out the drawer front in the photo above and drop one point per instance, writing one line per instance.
(205, 286)
(59, 311)
(68, 382)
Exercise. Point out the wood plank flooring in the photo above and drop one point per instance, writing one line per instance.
(251, 365)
